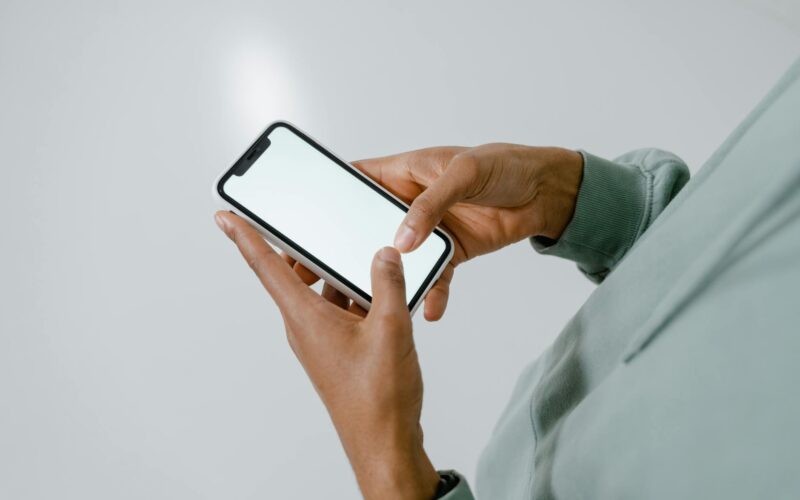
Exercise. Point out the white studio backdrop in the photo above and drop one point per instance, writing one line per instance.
(139, 358)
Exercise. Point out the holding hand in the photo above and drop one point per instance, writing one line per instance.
(363, 365)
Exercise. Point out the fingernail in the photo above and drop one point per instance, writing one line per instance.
(405, 238)
(390, 255)
(220, 222)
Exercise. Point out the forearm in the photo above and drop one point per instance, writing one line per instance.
(389, 461)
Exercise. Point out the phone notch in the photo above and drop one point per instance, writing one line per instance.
(253, 154)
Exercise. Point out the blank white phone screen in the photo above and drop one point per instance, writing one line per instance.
(327, 211)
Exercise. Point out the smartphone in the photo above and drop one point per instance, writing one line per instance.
(325, 213)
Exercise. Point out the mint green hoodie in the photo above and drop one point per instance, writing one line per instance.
(679, 376)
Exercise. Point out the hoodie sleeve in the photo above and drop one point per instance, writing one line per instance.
(617, 201)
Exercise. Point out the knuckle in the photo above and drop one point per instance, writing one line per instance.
(423, 209)
(474, 174)
(393, 318)
(235, 235)
(466, 164)
(443, 156)
(394, 276)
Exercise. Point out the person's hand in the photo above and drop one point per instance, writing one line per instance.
(363, 365)
(486, 197)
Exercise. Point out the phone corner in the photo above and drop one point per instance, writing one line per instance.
(449, 244)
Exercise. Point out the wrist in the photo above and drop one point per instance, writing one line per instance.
(400, 477)
(560, 181)
(394, 467)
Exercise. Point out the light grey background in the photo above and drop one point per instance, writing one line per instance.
(138, 356)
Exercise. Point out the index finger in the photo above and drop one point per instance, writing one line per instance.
(283, 284)
(383, 169)
(419, 167)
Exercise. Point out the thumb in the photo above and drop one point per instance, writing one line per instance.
(427, 209)
(388, 284)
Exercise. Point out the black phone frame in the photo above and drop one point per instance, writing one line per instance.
(355, 173)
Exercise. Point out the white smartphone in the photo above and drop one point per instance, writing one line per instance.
(325, 213)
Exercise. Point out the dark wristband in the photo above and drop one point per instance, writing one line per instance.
(447, 482)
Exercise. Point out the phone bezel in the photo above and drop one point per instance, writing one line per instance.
(426, 283)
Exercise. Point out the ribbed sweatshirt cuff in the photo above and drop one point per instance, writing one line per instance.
(607, 220)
